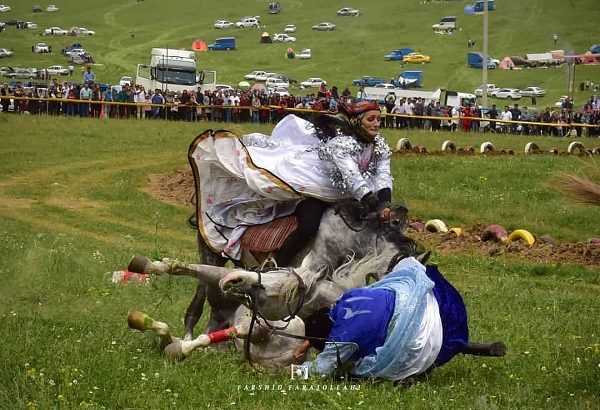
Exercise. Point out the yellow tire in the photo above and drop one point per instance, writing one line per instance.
(521, 234)
(456, 231)
(435, 225)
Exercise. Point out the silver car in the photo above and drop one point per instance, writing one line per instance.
(324, 26)
(506, 93)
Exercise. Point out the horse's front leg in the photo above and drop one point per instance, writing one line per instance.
(208, 273)
(492, 349)
(194, 310)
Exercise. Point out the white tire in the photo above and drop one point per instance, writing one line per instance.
(404, 144)
(449, 146)
(436, 225)
(486, 147)
(531, 148)
(576, 145)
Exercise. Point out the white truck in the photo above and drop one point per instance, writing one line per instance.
(447, 97)
(174, 70)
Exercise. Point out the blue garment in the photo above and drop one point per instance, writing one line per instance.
(453, 314)
(362, 316)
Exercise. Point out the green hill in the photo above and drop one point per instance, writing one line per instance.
(128, 29)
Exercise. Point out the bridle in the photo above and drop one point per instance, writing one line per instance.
(251, 303)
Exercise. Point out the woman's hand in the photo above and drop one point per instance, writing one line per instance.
(384, 214)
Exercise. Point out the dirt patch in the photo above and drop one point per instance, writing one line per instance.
(177, 188)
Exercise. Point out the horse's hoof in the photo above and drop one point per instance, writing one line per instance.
(498, 349)
(137, 264)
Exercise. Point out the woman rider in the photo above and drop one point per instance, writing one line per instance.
(300, 168)
(361, 168)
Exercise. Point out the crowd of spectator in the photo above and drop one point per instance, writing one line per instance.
(89, 99)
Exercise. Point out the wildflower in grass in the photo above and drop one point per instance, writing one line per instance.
(156, 375)
(51, 382)
(30, 373)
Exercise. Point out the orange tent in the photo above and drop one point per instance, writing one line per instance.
(199, 45)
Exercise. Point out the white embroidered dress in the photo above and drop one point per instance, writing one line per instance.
(253, 181)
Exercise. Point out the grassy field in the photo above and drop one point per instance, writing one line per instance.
(127, 30)
(72, 210)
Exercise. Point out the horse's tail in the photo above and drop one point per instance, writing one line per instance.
(581, 189)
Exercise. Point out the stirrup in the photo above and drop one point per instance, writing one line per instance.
(269, 262)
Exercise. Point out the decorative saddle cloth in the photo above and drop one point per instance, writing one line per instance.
(270, 236)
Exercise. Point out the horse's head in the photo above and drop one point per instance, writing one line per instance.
(260, 292)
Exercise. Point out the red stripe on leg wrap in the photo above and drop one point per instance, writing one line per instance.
(222, 335)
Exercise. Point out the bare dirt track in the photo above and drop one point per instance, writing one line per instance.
(177, 188)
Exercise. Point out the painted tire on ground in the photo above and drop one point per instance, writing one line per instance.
(547, 239)
(596, 151)
(448, 145)
(576, 146)
(417, 226)
(521, 234)
(456, 231)
(532, 148)
(403, 144)
(421, 149)
(595, 241)
(486, 147)
(435, 225)
(508, 151)
(553, 151)
(495, 233)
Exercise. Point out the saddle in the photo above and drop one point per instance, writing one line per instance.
(269, 237)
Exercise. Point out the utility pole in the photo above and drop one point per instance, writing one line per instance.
(484, 74)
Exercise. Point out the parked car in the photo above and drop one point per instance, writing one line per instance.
(387, 86)
(41, 48)
(223, 87)
(305, 53)
(253, 74)
(532, 91)
(126, 80)
(81, 31)
(398, 54)
(4, 70)
(30, 25)
(368, 81)
(51, 8)
(222, 24)
(348, 11)
(283, 38)
(4, 8)
(313, 82)
(289, 28)
(264, 76)
(5, 52)
(58, 70)
(21, 73)
(36, 8)
(248, 22)
(561, 101)
(506, 93)
(277, 83)
(55, 31)
(416, 58)
(324, 26)
(479, 90)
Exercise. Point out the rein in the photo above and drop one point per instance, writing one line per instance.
(251, 303)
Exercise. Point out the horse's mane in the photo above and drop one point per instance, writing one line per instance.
(351, 274)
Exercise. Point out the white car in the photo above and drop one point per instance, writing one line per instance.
(253, 74)
(58, 70)
(386, 86)
(223, 87)
(81, 31)
(55, 31)
(51, 8)
(4, 9)
(264, 76)
(283, 38)
(277, 83)
(281, 91)
(305, 53)
(221, 24)
(324, 26)
(5, 52)
(313, 82)
(506, 93)
(41, 48)
(348, 11)
(30, 25)
(532, 91)
(561, 100)
(290, 28)
(248, 22)
(490, 87)
(125, 80)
